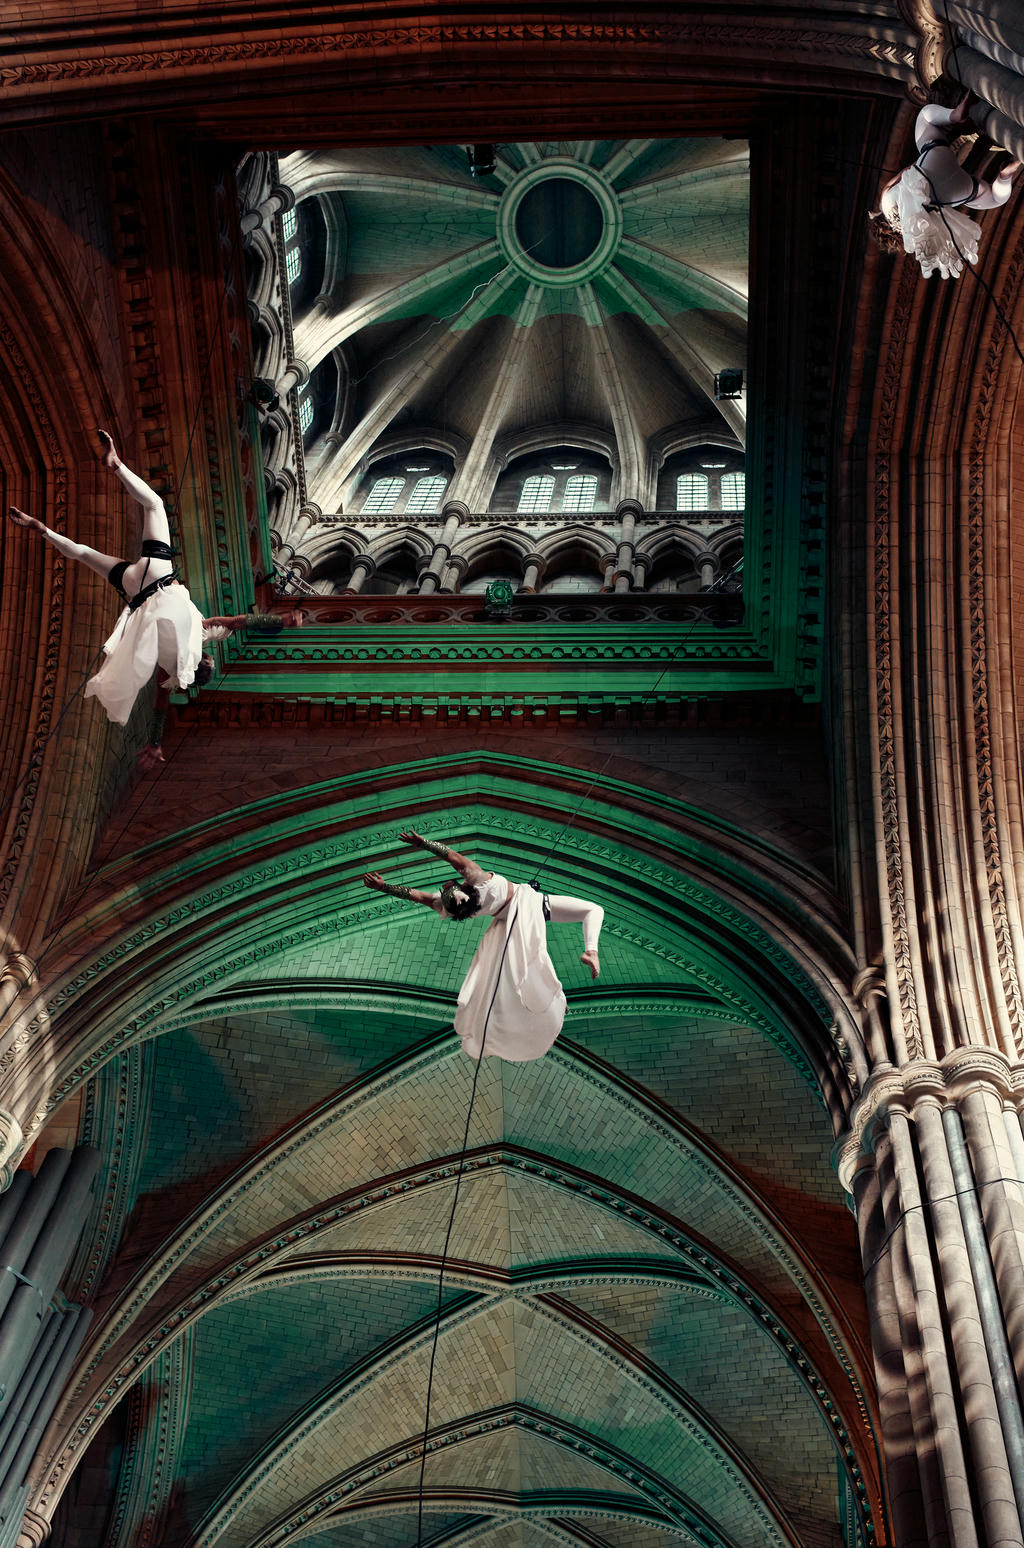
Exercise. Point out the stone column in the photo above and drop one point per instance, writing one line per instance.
(362, 569)
(276, 202)
(626, 513)
(935, 1201)
(708, 567)
(454, 571)
(454, 514)
(296, 374)
(897, 1429)
(532, 573)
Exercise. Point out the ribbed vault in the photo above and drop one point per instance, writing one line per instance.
(284, 1109)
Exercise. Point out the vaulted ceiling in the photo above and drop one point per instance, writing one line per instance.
(586, 289)
(651, 1325)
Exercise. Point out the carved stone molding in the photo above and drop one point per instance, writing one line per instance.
(786, 44)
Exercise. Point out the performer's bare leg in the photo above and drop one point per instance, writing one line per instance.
(154, 517)
(102, 564)
(590, 916)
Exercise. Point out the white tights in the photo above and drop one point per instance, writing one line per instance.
(576, 911)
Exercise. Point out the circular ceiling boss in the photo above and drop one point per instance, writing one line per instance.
(559, 223)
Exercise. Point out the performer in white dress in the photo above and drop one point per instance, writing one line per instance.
(922, 206)
(511, 1003)
(159, 625)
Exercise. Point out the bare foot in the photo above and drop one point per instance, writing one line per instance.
(590, 958)
(20, 519)
(108, 456)
(961, 113)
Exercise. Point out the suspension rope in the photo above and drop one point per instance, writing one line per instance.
(451, 1223)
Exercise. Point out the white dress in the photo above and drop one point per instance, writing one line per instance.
(927, 204)
(166, 631)
(511, 986)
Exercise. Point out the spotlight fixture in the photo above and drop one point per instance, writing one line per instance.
(728, 384)
(263, 395)
(481, 160)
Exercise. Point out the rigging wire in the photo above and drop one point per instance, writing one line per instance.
(451, 1223)
(973, 268)
(722, 580)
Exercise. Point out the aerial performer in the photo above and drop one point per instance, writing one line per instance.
(160, 624)
(511, 1003)
(922, 206)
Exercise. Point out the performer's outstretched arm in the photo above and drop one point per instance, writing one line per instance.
(467, 869)
(102, 564)
(412, 894)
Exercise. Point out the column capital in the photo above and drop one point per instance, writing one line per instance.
(629, 507)
(922, 1083)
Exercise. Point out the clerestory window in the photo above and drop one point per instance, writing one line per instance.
(692, 492)
(536, 493)
(733, 491)
(427, 495)
(383, 497)
(580, 493)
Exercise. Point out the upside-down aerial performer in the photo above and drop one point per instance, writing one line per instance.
(922, 206)
(511, 1003)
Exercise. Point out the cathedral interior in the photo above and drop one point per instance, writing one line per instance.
(652, 530)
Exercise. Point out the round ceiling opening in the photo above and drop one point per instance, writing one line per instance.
(559, 223)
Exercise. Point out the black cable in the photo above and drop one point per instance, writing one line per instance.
(945, 1198)
(715, 586)
(451, 1223)
(965, 262)
(981, 281)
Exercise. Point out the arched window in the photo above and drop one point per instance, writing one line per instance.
(305, 412)
(733, 491)
(537, 492)
(289, 224)
(580, 492)
(293, 264)
(383, 497)
(426, 496)
(692, 492)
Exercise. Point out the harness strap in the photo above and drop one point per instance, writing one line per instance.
(948, 204)
(149, 591)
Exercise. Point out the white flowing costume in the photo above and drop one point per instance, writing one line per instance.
(926, 204)
(166, 631)
(512, 969)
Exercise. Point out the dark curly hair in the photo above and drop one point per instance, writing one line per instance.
(884, 236)
(464, 910)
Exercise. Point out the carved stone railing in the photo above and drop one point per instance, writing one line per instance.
(720, 608)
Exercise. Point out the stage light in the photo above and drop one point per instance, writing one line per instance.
(728, 384)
